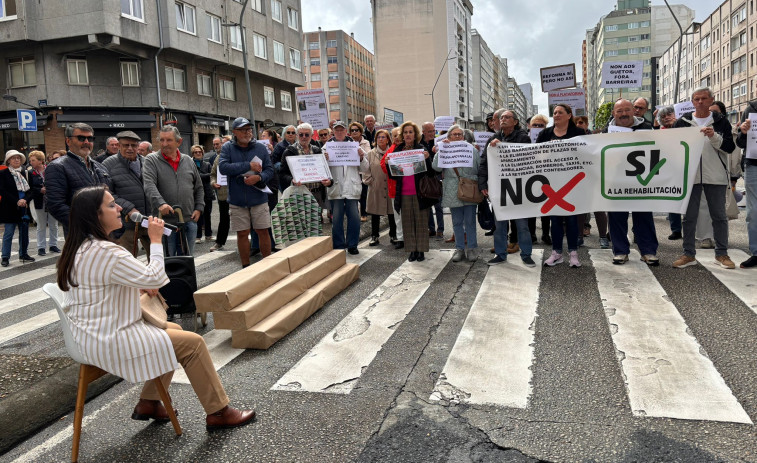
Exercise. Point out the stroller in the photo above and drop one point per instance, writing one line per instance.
(179, 292)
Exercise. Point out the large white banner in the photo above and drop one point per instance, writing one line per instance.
(312, 107)
(634, 171)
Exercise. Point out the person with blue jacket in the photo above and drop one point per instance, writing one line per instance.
(248, 167)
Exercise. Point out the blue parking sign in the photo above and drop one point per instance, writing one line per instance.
(27, 120)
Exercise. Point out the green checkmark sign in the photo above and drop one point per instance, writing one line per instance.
(652, 173)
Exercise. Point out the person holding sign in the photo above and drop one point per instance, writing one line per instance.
(303, 147)
(747, 140)
(344, 190)
(378, 202)
(463, 212)
(413, 206)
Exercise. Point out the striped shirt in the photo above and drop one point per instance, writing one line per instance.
(105, 314)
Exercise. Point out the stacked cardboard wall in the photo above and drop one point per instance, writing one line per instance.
(265, 301)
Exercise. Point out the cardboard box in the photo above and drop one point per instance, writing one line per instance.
(229, 292)
(261, 305)
(321, 268)
(280, 323)
(306, 251)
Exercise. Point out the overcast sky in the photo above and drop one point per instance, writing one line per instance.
(531, 34)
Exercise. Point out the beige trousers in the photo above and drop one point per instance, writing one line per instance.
(192, 354)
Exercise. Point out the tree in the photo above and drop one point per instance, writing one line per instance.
(603, 115)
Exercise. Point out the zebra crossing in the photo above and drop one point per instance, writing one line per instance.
(664, 370)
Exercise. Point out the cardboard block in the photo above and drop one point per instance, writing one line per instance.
(261, 305)
(280, 323)
(229, 292)
(321, 268)
(305, 251)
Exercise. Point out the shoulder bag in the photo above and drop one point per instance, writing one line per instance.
(467, 189)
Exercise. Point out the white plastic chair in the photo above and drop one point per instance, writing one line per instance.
(89, 373)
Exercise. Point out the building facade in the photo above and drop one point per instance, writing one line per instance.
(528, 94)
(415, 41)
(138, 64)
(484, 85)
(345, 69)
(516, 100)
(500, 82)
(719, 53)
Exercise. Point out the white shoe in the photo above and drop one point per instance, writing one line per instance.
(574, 262)
(458, 255)
(554, 259)
(216, 247)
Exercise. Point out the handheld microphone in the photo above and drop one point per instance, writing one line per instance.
(142, 220)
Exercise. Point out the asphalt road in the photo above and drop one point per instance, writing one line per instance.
(579, 405)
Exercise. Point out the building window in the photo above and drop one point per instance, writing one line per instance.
(276, 10)
(132, 9)
(314, 45)
(335, 107)
(315, 61)
(175, 78)
(633, 51)
(23, 72)
(293, 18)
(738, 65)
(278, 53)
(333, 92)
(331, 44)
(259, 44)
(235, 37)
(315, 78)
(644, 24)
(269, 97)
(332, 60)
(286, 101)
(129, 73)
(611, 28)
(611, 41)
(333, 76)
(214, 28)
(203, 84)
(185, 18)
(77, 71)
(294, 59)
(226, 88)
(611, 53)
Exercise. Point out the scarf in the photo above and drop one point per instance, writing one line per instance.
(21, 183)
(301, 151)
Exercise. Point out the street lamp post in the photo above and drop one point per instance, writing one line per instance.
(244, 59)
(680, 48)
(448, 58)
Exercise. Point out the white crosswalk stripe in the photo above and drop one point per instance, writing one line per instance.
(741, 283)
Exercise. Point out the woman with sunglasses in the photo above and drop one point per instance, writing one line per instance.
(379, 203)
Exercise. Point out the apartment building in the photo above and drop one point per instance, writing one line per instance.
(516, 100)
(137, 64)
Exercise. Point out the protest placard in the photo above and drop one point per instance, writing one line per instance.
(534, 133)
(311, 105)
(573, 97)
(617, 129)
(482, 138)
(557, 77)
(221, 178)
(650, 170)
(406, 163)
(455, 154)
(751, 137)
(683, 108)
(622, 74)
(443, 123)
(342, 153)
(308, 168)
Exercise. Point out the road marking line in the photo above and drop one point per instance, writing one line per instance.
(666, 373)
(27, 326)
(492, 358)
(15, 263)
(22, 300)
(740, 282)
(335, 364)
(41, 272)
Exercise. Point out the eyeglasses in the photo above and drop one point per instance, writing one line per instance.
(640, 108)
(82, 138)
(291, 133)
(303, 135)
(538, 126)
(355, 130)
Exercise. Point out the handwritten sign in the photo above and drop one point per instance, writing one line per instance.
(573, 97)
(221, 178)
(311, 105)
(406, 163)
(557, 77)
(683, 108)
(309, 168)
(482, 138)
(455, 154)
(443, 123)
(342, 153)
(622, 74)
(751, 137)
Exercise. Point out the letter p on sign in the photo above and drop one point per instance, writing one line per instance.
(27, 120)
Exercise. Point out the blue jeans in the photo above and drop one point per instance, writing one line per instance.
(675, 222)
(174, 247)
(439, 212)
(524, 238)
(571, 230)
(23, 238)
(339, 207)
(643, 230)
(750, 181)
(464, 225)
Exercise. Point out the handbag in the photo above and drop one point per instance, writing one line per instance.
(429, 187)
(154, 310)
(485, 216)
(467, 189)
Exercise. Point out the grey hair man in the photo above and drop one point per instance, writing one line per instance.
(172, 179)
(111, 148)
(370, 129)
(211, 155)
(144, 148)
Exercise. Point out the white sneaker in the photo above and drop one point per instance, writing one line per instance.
(216, 247)
(620, 259)
(554, 259)
(472, 255)
(458, 255)
(574, 262)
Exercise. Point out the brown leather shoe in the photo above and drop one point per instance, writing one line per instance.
(451, 239)
(228, 417)
(151, 409)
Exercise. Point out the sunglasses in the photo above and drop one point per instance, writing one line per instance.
(538, 125)
(354, 130)
(82, 138)
(304, 135)
(291, 133)
(323, 135)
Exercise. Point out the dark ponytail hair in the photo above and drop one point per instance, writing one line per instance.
(83, 224)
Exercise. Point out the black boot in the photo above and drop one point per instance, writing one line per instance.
(374, 241)
(399, 245)
(413, 256)
(420, 257)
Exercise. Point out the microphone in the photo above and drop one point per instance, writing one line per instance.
(142, 220)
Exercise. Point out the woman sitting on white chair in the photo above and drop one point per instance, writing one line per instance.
(103, 282)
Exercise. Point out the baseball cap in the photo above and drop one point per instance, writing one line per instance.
(340, 123)
(240, 122)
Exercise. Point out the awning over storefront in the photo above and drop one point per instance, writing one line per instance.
(109, 120)
(214, 121)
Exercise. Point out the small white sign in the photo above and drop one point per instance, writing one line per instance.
(683, 108)
(443, 123)
(622, 74)
(455, 154)
(308, 168)
(342, 153)
(557, 77)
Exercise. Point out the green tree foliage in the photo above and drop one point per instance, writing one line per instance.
(603, 115)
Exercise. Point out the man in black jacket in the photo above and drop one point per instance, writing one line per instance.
(370, 129)
(125, 169)
(67, 175)
(509, 132)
